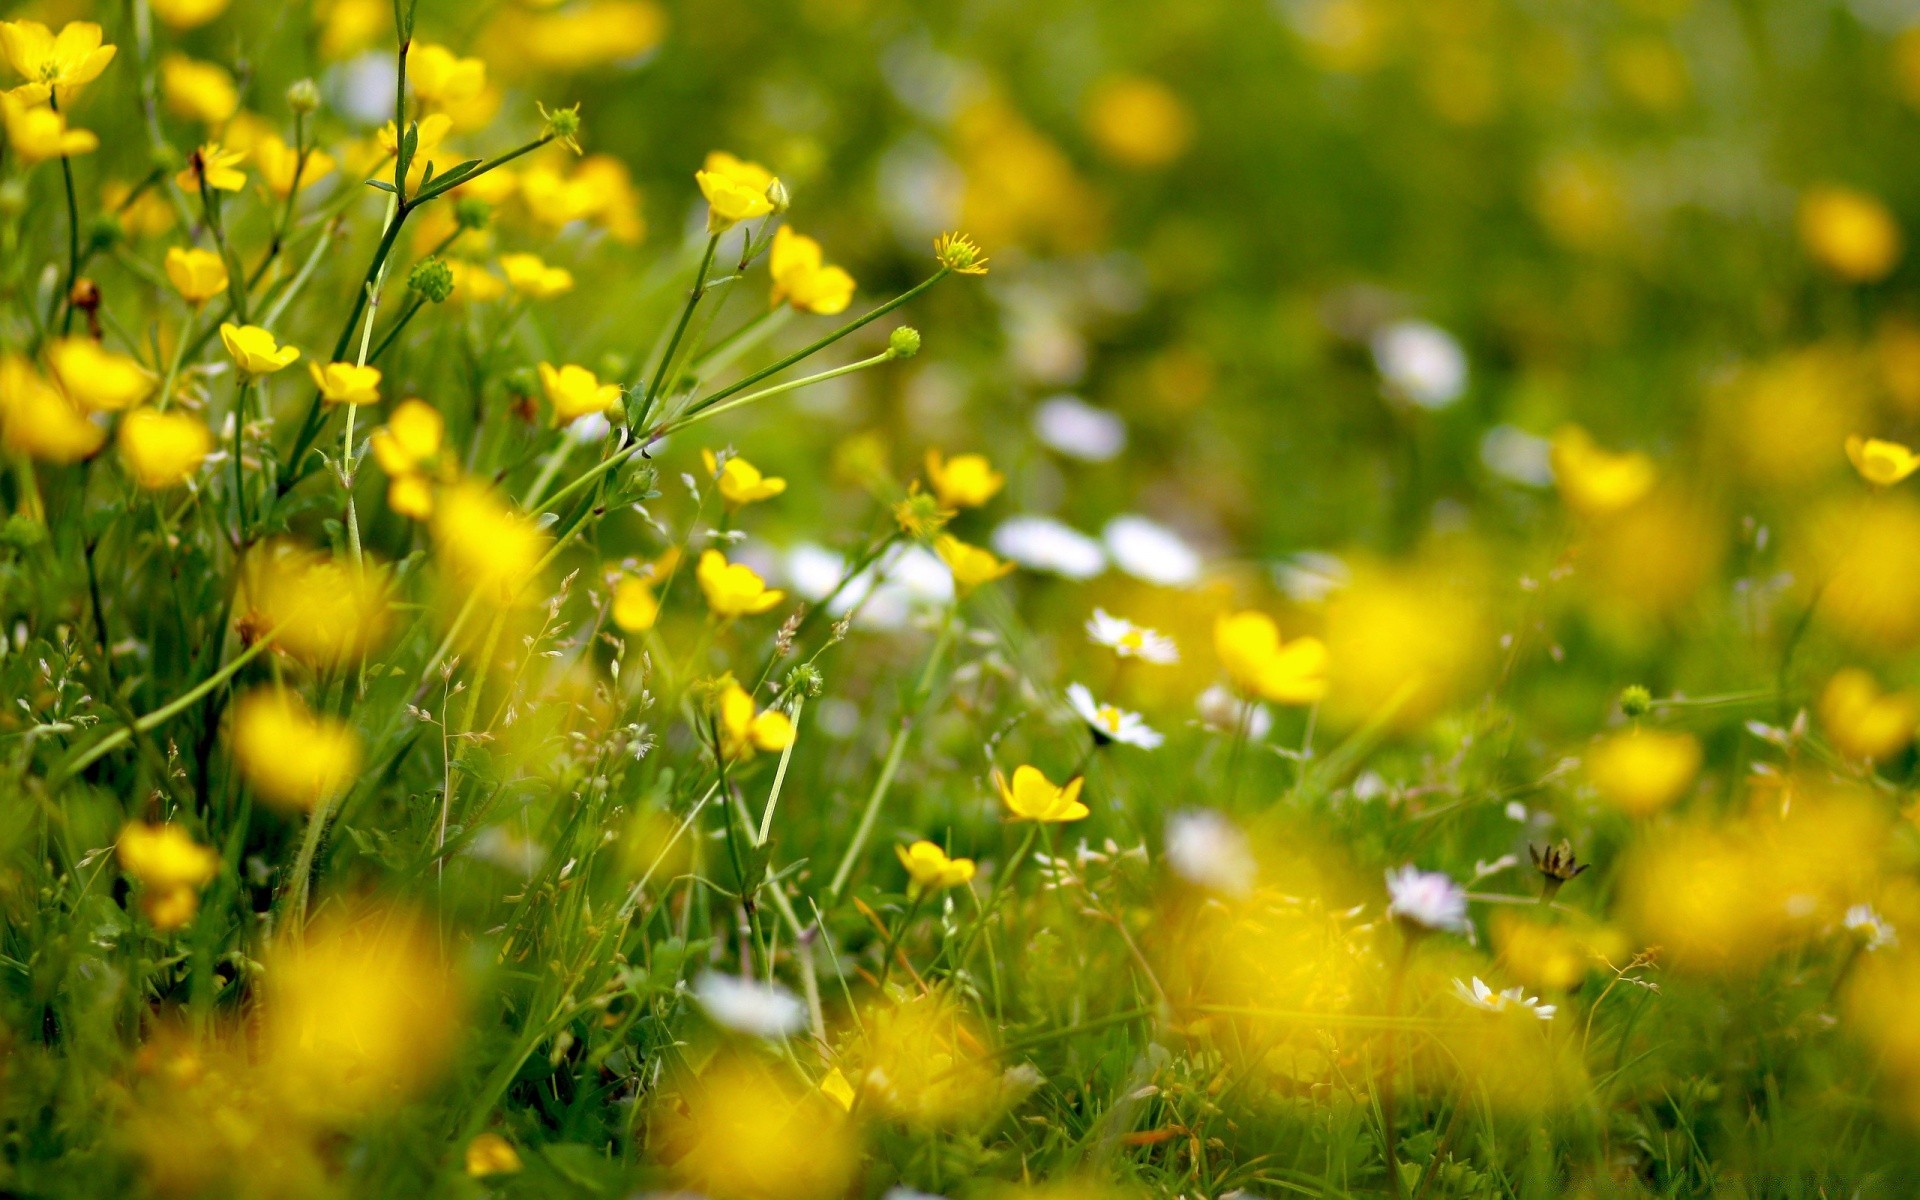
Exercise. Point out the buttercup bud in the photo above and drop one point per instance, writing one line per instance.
(303, 96)
(432, 278)
(904, 342)
(778, 197)
(1636, 701)
(563, 126)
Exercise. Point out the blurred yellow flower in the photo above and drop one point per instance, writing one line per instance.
(743, 730)
(345, 383)
(1850, 233)
(1594, 482)
(170, 867)
(741, 483)
(143, 215)
(348, 26)
(924, 1061)
(534, 279)
(320, 609)
(1138, 121)
(1258, 664)
(440, 78)
(1031, 796)
(187, 14)
(292, 757)
(576, 392)
(197, 91)
(929, 868)
(574, 37)
(96, 378)
(971, 566)
(635, 607)
(1863, 556)
(430, 131)
(734, 589)
(278, 161)
(742, 1130)
(163, 449)
(736, 190)
(474, 283)
(963, 481)
(38, 134)
(38, 421)
(491, 1154)
(52, 62)
(198, 275)
(485, 543)
(1643, 771)
(253, 349)
(836, 1088)
(407, 448)
(1881, 463)
(219, 167)
(1864, 722)
(802, 278)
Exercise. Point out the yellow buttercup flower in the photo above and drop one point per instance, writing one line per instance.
(1864, 722)
(736, 190)
(1031, 796)
(198, 275)
(170, 868)
(320, 609)
(963, 481)
(346, 383)
(491, 1154)
(440, 78)
(1850, 233)
(198, 91)
(253, 349)
(635, 607)
(1643, 770)
(220, 168)
(1138, 121)
(576, 392)
(1881, 463)
(1595, 482)
(930, 869)
(97, 378)
(38, 421)
(38, 134)
(802, 278)
(407, 447)
(971, 565)
(743, 730)
(741, 483)
(472, 282)
(277, 162)
(163, 449)
(53, 63)
(143, 215)
(960, 254)
(734, 589)
(534, 279)
(1259, 664)
(187, 14)
(292, 757)
(485, 543)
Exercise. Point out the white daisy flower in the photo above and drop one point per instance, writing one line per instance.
(1427, 898)
(1224, 712)
(1205, 848)
(1077, 429)
(1421, 362)
(1148, 550)
(1872, 928)
(1112, 724)
(748, 1006)
(1128, 640)
(1044, 544)
(1512, 1000)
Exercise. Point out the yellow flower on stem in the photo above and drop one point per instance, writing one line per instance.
(576, 392)
(1850, 233)
(293, 757)
(1595, 482)
(635, 607)
(1864, 722)
(971, 565)
(472, 282)
(407, 447)
(253, 349)
(38, 134)
(187, 14)
(1031, 796)
(277, 162)
(734, 589)
(963, 481)
(96, 378)
(960, 254)
(53, 62)
(320, 609)
(1643, 770)
(198, 91)
(219, 167)
(198, 275)
(485, 543)
(1259, 664)
(491, 1154)
(1881, 463)
(802, 278)
(163, 449)
(170, 868)
(534, 279)
(736, 190)
(743, 730)
(930, 869)
(439, 77)
(345, 383)
(741, 483)
(38, 421)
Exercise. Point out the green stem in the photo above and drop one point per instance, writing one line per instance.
(695, 416)
(679, 331)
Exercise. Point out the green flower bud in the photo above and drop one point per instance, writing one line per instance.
(472, 212)
(303, 96)
(432, 278)
(904, 342)
(1636, 701)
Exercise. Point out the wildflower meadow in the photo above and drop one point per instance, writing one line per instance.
(816, 599)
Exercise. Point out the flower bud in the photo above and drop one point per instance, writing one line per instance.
(432, 278)
(563, 126)
(304, 96)
(1636, 701)
(472, 212)
(904, 342)
(778, 197)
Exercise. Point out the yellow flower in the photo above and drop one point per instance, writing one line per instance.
(163, 449)
(319, 609)
(534, 279)
(440, 78)
(741, 483)
(1850, 233)
(963, 481)
(433, 130)
(36, 420)
(1260, 665)
(576, 392)
(95, 377)
(836, 1088)
(971, 566)
(170, 868)
(407, 447)
(38, 134)
(277, 162)
(49, 62)
(484, 543)
(198, 275)
(1864, 722)
(919, 514)
(472, 282)
(197, 91)
(219, 167)
(734, 589)
(1033, 797)
(1139, 122)
(345, 383)
(144, 215)
(743, 731)
(1595, 482)
(292, 757)
(1643, 770)
(960, 254)
(491, 1154)
(801, 277)
(1880, 463)
(254, 350)
(736, 190)
(187, 14)
(930, 869)
(635, 607)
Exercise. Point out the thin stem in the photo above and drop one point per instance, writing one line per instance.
(695, 416)
(694, 296)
